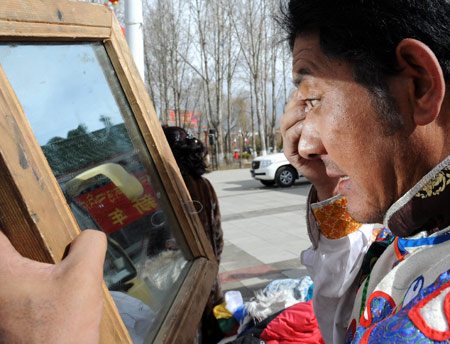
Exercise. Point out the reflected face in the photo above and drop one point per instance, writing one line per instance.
(344, 129)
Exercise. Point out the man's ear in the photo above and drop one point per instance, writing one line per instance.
(427, 86)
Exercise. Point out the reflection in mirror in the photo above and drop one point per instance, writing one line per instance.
(81, 119)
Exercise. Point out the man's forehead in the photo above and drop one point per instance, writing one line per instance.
(309, 60)
(307, 43)
(307, 57)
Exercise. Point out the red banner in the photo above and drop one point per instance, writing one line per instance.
(112, 210)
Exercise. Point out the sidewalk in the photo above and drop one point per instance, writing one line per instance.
(264, 230)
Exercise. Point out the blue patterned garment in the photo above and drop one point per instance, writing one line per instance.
(397, 325)
(405, 298)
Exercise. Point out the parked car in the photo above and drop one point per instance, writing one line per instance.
(274, 169)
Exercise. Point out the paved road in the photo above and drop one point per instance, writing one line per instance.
(264, 230)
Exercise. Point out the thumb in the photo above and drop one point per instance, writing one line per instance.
(78, 288)
(87, 253)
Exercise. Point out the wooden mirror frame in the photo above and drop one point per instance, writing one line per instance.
(32, 201)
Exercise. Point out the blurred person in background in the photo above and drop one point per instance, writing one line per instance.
(190, 153)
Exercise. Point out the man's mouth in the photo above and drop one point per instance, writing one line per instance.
(333, 171)
(343, 185)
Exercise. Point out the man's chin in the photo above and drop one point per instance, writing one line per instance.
(364, 213)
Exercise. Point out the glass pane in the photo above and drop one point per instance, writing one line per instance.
(83, 122)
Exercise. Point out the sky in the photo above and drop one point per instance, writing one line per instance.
(61, 86)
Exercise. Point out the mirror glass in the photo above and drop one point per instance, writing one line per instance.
(80, 117)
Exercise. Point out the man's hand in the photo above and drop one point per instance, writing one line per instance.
(291, 125)
(53, 303)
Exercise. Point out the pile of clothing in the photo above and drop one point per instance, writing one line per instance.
(281, 313)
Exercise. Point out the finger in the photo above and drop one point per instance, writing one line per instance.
(290, 144)
(82, 278)
(291, 125)
(291, 117)
(292, 137)
(294, 100)
(87, 252)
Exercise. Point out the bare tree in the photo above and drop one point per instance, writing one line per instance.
(156, 56)
(250, 25)
(230, 61)
(205, 56)
(276, 49)
(168, 41)
(211, 19)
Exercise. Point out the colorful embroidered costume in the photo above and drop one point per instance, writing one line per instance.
(388, 290)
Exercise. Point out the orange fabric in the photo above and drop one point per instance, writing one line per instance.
(334, 221)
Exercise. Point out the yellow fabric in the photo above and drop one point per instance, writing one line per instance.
(334, 221)
(221, 312)
(141, 291)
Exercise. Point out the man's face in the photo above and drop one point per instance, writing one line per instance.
(344, 129)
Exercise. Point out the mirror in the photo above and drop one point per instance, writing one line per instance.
(80, 117)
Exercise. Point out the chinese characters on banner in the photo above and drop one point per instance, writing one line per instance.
(112, 210)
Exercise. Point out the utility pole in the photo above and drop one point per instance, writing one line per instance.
(134, 32)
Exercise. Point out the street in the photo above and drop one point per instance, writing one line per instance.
(264, 230)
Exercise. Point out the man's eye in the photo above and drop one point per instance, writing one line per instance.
(310, 103)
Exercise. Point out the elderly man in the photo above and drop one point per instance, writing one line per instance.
(369, 125)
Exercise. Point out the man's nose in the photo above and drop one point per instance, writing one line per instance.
(310, 145)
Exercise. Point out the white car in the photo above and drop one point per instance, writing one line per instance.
(274, 169)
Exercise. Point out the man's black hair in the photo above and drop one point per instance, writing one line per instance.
(365, 33)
